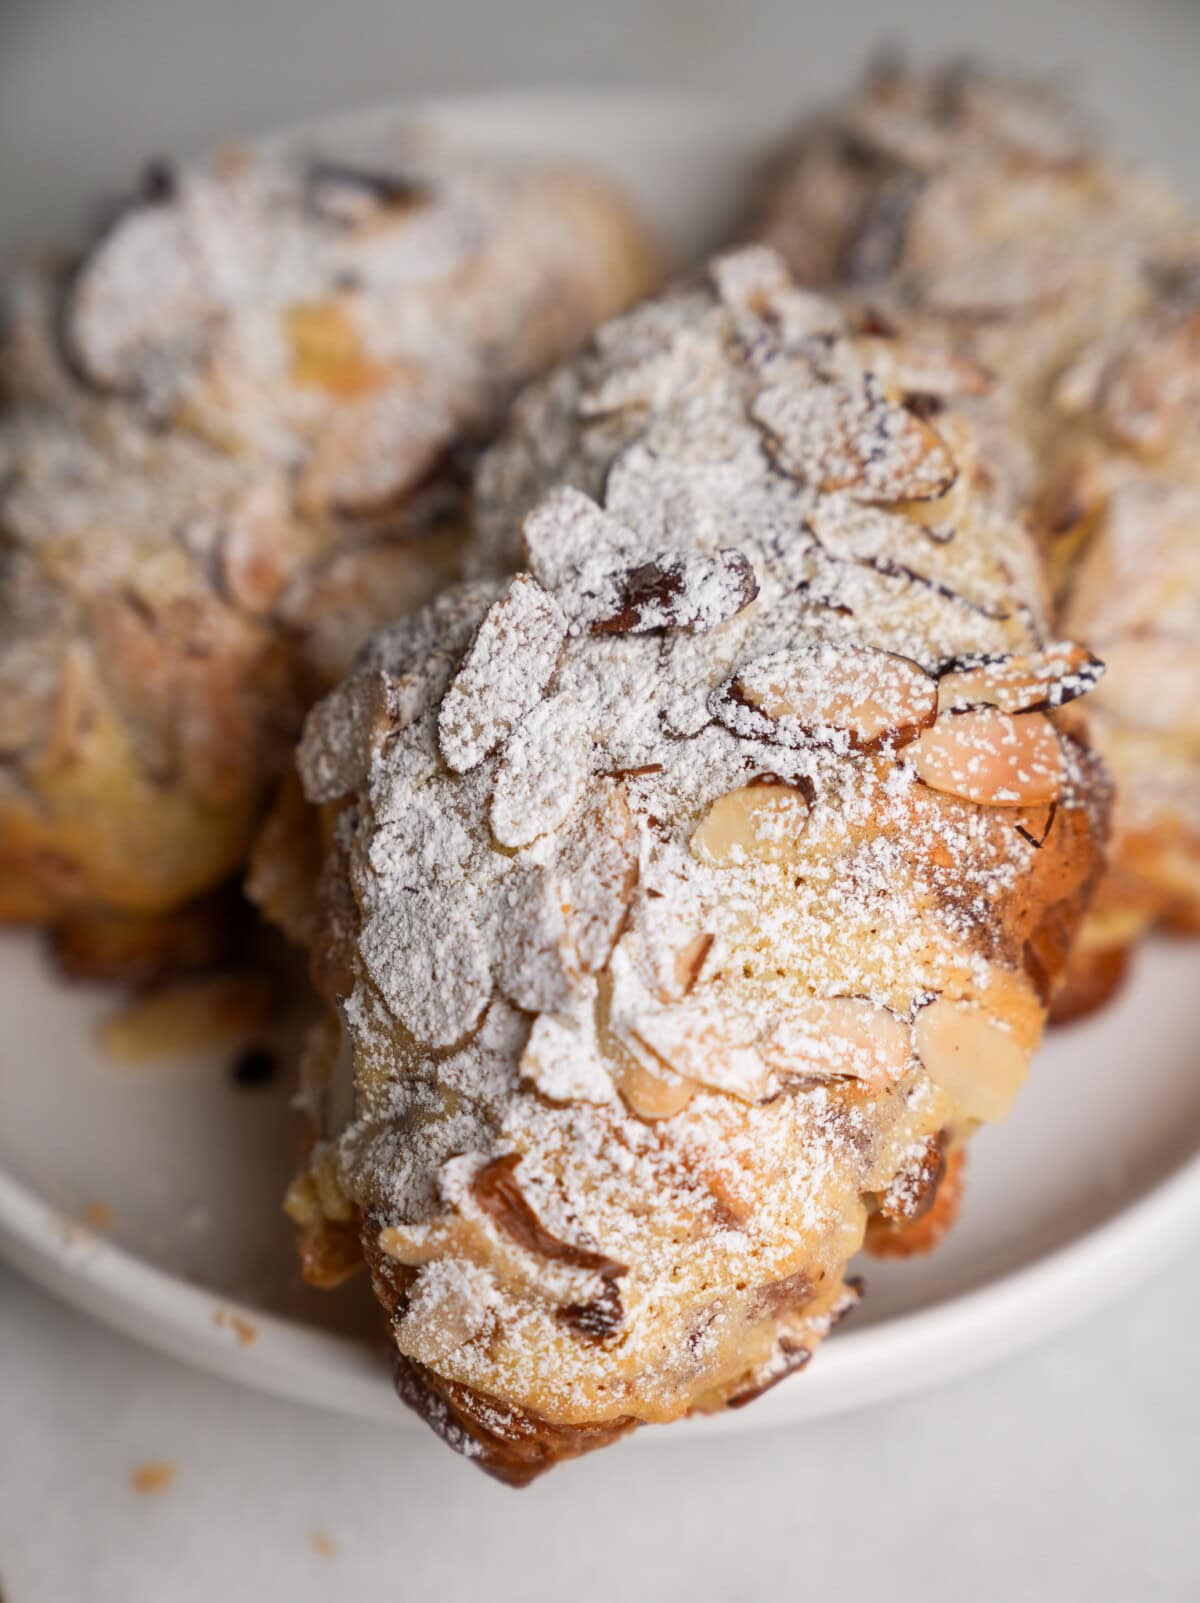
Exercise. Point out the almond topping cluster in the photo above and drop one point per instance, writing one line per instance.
(685, 900)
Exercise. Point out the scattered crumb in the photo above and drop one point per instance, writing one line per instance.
(154, 1476)
(98, 1216)
(241, 1327)
(321, 1542)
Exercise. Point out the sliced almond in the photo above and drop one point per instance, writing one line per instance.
(709, 1041)
(106, 330)
(679, 591)
(567, 532)
(759, 823)
(992, 758)
(653, 1096)
(498, 1193)
(714, 1042)
(562, 1064)
(188, 1016)
(511, 660)
(850, 437)
(1149, 394)
(595, 878)
(841, 1035)
(922, 369)
(541, 774)
(971, 1056)
(426, 954)
(843, 696)
(688, 962)
(1028, 682)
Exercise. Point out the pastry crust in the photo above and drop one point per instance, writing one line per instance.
(979, 212)
(669, 907)
(231, 440)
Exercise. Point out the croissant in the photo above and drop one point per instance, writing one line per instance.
(976, 211)
(694, 876)
(229, 449)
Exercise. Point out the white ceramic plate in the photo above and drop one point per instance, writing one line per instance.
(1093, 1182)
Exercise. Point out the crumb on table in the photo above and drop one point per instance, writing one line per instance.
(154, 1476)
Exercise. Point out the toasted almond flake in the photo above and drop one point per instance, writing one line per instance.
(563, 1064)
(859, 700)
(540, 776)
(187, 1016)
(595, 878)
(840, 1035)
(992, 758)
(565, 533)
(1029, 682)
(653, 1096)
(427, 956)
(760, 823)
(971, 1056)
(841, 438)
(676, 590)
(510, 662)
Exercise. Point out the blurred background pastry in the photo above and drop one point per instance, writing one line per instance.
(232, 434)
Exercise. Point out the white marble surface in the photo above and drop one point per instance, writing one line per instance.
(1065, 1474)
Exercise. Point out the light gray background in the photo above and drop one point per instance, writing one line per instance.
(1066, 1474)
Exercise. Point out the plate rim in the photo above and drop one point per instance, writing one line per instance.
(902, 1354)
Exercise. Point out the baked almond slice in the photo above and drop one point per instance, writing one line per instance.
(849, 437)
(971, 1056)
(829, 1037)
(852, 698)
(992, 758)
(681, 591)
(653, 1096)
(758, 823)
(1024, 682)
(512, 658)
(594, 880)
(540, 776)
(821, 1038)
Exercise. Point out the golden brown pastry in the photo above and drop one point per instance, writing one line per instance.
(689, 895)
(228, 438)
(977, 211)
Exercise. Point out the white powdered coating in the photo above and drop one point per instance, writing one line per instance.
(719, 1072)
(511, 660)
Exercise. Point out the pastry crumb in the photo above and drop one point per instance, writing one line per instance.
(322, 1543)
(98, 1216)
(242, 1328)
(154, 1476)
